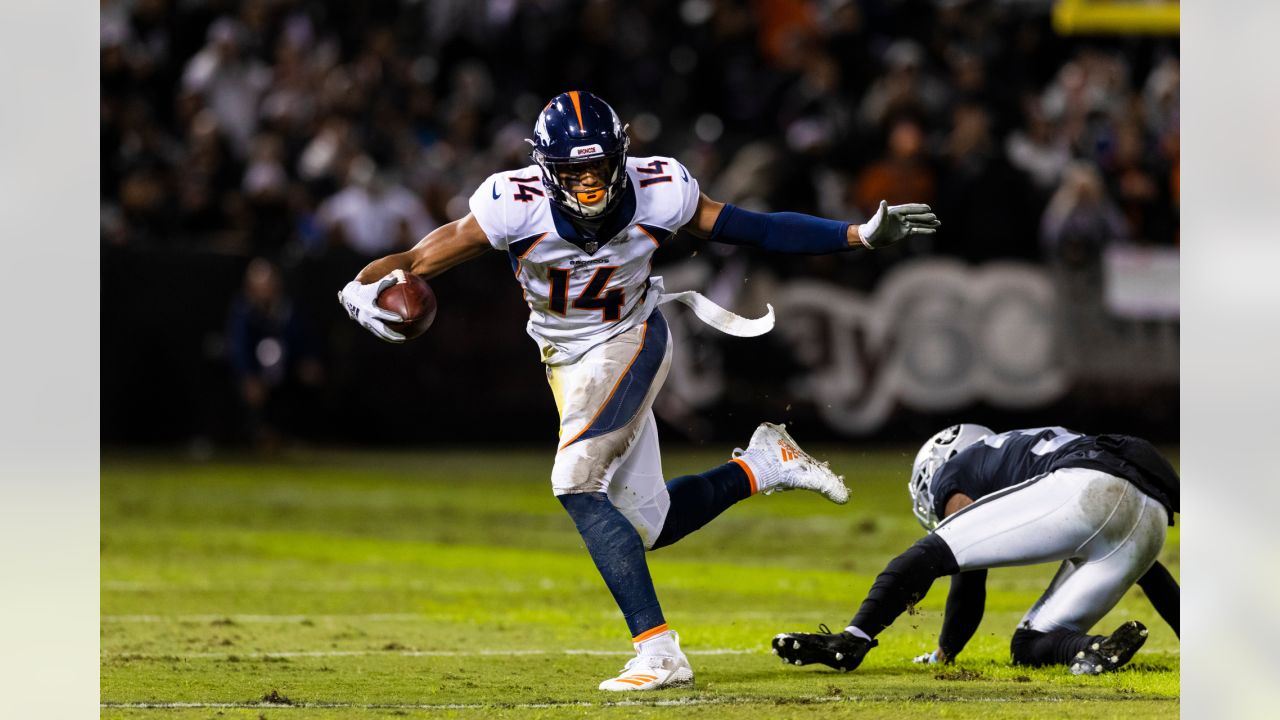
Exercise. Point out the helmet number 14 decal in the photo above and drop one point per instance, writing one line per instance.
(593, 296)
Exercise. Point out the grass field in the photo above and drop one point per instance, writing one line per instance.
(453, 585)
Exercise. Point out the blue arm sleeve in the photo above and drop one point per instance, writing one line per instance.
(780, 232)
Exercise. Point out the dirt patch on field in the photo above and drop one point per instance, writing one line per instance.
(961, 674)
(276, 698)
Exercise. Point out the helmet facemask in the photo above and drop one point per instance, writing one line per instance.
(936, 451)
(921, 494)
(574, 133)
(560, 176)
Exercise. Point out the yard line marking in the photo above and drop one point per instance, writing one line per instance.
(412, 653)
(396, 617)
(674, 702)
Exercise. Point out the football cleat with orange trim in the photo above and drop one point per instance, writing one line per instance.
(774, 461)
(654, 671)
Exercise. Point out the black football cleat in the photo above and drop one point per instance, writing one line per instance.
(1112, 652)
(843, 650)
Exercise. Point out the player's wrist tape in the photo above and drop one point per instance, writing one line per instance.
(786, 232)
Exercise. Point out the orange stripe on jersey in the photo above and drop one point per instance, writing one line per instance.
(650, 633)
(577, 108)
(651, 237)
(520, 266)
(528, 250)
(644, 337)
(751, 477)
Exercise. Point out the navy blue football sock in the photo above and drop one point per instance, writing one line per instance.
(618, 552)
(697, 499)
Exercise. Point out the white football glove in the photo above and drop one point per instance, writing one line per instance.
(892, 223)
(930, 658)
(361, 302)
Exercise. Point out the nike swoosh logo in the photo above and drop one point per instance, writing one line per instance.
(684, 175)
(495, 190)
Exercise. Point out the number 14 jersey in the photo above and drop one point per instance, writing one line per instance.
(583, 289)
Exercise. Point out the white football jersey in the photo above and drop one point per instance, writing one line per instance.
(582, 292)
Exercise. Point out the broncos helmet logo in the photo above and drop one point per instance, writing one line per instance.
(540, 130)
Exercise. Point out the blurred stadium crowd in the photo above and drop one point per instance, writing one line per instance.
(277, 127)
(309, 136)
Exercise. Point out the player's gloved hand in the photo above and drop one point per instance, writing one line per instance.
(930, 658)
(892, 223)
(936, 657)
(361, 302)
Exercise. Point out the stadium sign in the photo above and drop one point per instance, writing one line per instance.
(935, 336)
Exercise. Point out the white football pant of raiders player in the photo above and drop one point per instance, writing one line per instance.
(1106, 532)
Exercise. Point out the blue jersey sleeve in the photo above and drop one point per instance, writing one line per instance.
(947, 481)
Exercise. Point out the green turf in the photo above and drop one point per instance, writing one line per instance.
(339, 585)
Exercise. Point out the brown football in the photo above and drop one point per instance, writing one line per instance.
(410, 298)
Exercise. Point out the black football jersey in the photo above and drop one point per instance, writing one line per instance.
(1004, 460)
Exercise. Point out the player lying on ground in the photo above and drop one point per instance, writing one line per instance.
(580, 227)
(1100, 504)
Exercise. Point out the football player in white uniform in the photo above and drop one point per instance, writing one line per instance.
(580, 227)
(1098, 503)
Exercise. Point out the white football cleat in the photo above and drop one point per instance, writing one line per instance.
(653, 671)
(777, 463)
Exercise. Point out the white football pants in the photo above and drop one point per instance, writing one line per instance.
(1106, 532)
(608, 436)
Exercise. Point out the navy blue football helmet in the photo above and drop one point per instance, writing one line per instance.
(579, 133)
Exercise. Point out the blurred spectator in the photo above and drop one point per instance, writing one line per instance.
(228, 81)
(1037, 150)
(330, 148)
(907, 86)
(1135, 185)
(209, 179)
(989, 213)
(236, 125)
(783, 23)
(1080, 219)
(273, 357)
(904, 173)
(372, 215)
(1161, 97)
(266, 188)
